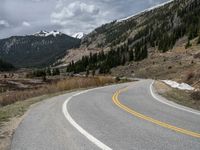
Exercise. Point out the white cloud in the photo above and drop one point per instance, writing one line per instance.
(26, 24)
(4, 24)
(74, 9)
(36, 0)
(69, 16)
(77, 14)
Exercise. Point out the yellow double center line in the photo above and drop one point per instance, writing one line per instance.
(157, 122)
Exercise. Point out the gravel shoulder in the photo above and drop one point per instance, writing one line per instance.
(182, 97)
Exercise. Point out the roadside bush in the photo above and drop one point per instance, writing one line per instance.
(196, 95)
(117, 79)
(170, 67)
(197, 56)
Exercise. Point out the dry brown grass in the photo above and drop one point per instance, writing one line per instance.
(20, 101)
(62, 85)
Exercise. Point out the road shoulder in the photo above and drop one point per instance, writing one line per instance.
(181, 97)
(12, 115)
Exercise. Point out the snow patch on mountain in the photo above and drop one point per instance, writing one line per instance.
(146, 10)
(78, 35)
(46, 33)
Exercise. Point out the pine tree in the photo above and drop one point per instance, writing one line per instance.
(137, 52)
(55, 72)
(199, 40)
(123, 60)
(39, 73)
(87, 73)
(4, 66)
(144, 52)
(193, 32)
(48, 71)
(93, 72)
(131, 55)
(188, 44)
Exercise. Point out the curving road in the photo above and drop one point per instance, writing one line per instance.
(119, 117)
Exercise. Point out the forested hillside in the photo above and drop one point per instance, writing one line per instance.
(133, 39)
(4, 66)
(172, 21)
(36, 50)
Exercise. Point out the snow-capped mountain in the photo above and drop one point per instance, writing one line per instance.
(41, 49)
(79, 35)
(146, 10)
(46, 33)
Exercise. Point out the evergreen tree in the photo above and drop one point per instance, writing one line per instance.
(188, 44)
(4, 66)
(48, 72)
(104, 62)
(131, 55)
(39, 73)
(93, 72)
(123, 60)
(193, 31)
(55, 72)
(137, 53)
(87, 73)
(144, 52)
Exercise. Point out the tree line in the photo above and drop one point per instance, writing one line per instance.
(5, 66)
(105, 61)
(44, 72)
(156, 32)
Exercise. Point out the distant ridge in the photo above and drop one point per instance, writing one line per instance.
(37, 50)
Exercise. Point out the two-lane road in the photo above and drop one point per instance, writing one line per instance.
(118, 117)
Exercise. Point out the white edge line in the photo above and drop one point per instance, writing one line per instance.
(78, 127)
(169, 104)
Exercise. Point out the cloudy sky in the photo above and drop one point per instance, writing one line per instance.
(21, 17)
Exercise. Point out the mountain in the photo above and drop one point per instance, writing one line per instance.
(4, 66)
(79, 35)
(38, 50)
(160, 42)
(146, 10)
(152, 27)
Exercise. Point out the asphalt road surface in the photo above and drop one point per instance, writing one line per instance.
(119, 117)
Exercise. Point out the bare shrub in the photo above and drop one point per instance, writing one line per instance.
(196, 95)
(189, 76)
(170, 67)
(197, 55)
